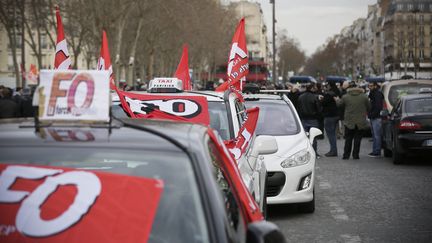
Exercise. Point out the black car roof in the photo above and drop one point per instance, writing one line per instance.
(124, 133)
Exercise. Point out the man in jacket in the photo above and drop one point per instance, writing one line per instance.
(309, 110)
(355, 105)
(376, 98)
(331, 116)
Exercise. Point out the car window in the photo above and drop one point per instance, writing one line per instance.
(219, 119)
(419, 106)
(397, 91)
(241, 112)
(233, 211)
(180, 198)
(276, 118)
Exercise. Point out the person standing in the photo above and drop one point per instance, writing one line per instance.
(8, 107)
(376, 98)
(331, 116)
(355, 105)
(309, 109)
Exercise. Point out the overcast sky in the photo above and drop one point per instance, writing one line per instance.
(311, 22)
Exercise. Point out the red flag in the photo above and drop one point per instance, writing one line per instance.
(104, 61)
(182, 71)
(62, 58)
(229, 166)
(238, 145)
(238, 66)
(179, 108)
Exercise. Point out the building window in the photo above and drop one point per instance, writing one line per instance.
(421, 30)
(421, 19)
(421, 54)
(399, 6)
(410, 19)
(44, 41)
(421, 6)
(410, 54)
(410, 6)
(421, 42)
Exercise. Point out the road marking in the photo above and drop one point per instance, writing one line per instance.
(351, 238)
(324, 185)
(337, 212)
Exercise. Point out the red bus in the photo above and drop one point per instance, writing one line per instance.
(258, 72)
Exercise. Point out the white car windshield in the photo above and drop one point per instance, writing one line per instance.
(276, 118)
(219, 118)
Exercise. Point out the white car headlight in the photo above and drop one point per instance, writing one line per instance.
(300, 158)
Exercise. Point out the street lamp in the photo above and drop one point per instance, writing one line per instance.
(274, 43)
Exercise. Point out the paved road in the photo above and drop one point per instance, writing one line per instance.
(366, 200)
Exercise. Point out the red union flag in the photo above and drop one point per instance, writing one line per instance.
(238, 146)
(182, 72)
(238, 66)
(62, 59)
(178, 108)
(54, 204)
(104, 61)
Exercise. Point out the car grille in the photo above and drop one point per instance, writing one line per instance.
(275, 183)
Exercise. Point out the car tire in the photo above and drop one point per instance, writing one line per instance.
(308, 207)
(387, 152)
(396, 155)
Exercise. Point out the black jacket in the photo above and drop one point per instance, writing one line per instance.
(309, 106)
(8, 108)
(377, 100)
(329, 107)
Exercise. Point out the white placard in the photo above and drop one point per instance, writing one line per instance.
(74, 95)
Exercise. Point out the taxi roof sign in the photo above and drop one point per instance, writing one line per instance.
(74, 95)
(165, 85)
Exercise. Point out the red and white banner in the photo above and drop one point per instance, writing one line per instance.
(182, 71)
(179, 108)
(62, 59)
(238, 66)
(104, 61)
(52, 204)
(231, 170)
(239, 145)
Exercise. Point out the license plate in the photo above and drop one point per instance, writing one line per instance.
(429, 142)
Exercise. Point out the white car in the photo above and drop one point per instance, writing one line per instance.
(291, 170)
(227, 114)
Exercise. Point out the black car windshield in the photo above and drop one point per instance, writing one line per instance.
(219, 118)
(397, 91)
(423, 105)
(179, 199)
(275, 118)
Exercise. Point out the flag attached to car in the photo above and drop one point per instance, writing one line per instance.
(62, 59)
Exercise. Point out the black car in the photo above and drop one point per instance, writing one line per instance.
(123, 181)
(407, 130)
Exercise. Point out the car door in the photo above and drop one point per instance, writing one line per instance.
(395, 118)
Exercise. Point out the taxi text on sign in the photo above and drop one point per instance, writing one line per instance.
(74, 95)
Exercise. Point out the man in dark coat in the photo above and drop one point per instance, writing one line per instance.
(376, 98)
(8, 107)
(309, 109)
(331, 116)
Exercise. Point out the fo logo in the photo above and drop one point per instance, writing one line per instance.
(179, 107)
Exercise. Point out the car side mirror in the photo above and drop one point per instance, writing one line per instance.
(313, 132)
(264, 232)
(384, 113)
(265, 144)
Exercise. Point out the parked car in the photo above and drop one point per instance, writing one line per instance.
(291, 170)
(227, 114)
(394, 90)
(407, 130)
(302, 80)
(124, 181)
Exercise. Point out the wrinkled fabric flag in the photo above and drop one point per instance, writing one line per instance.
(104, 61)
(238, 145)
(182, 71)
(238, 65)
(62, 59)
(178, 108)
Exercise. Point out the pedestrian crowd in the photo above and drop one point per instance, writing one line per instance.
(15, 103)
(346, 110)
